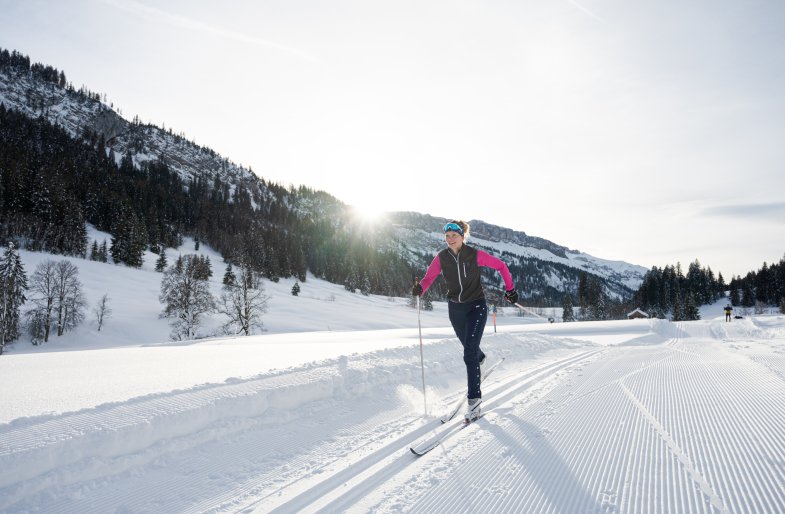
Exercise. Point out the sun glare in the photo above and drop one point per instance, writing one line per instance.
(367, 214)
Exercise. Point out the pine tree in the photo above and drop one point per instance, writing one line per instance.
(678, 313)
(691, 312)
(229, 276)
(203, 267)
(129, 239)
(296, 289)
(94, 251)
(747, 293)
(208, 267)
(160, 263)
(583, 293)
(13, 284)
(735, 293)
(567, 313)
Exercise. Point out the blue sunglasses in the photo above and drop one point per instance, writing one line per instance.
(454, 227)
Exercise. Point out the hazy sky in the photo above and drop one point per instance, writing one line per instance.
(648, 131)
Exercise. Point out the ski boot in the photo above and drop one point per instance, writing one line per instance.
(473, 410)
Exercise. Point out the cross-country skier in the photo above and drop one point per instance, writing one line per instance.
(728, 310)
(460, 265)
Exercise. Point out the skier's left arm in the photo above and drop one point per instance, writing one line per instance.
(489, 261)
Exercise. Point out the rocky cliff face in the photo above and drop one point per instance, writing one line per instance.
(79, 113)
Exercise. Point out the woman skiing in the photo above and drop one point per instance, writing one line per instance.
(460, 265)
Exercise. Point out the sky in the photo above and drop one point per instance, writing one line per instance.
(649, 132)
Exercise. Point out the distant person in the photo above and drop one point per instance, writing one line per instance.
(728, 309)
(460, 265)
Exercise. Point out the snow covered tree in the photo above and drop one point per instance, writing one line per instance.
(599, 309)
(186, 298)
(56, 293)
(678, 311)
(103, 253)
(129, 238)
(42, 294)
(102, 311)
(203, 267)
(69, 298)
(296, 289)
(244, 302)
(747, 294)
(735, 293)
(567, 313)
(13, 284)
(365, 284)
(426, 303)
(160, 263)
(691, 311)
(583, 293)
(94, 251)
(229, 276)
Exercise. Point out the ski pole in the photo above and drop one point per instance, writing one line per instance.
(422, 360)
(521, 307)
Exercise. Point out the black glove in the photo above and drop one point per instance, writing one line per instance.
(511, 296)
(416, 289)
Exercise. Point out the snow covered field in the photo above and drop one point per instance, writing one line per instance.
(618, 416)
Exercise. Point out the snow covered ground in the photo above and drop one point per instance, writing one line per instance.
(318, 413)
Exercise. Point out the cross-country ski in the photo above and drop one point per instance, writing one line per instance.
(458, 404)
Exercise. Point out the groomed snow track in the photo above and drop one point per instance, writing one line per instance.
(687, 418)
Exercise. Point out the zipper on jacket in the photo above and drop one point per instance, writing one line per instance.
(460, 282)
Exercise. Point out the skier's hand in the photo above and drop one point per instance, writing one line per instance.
(416, 289)
(511, 296)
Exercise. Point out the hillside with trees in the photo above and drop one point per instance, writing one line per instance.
(669, 292)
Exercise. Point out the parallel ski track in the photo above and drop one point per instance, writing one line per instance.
(341, 490)
(722, 419)
(679, 430)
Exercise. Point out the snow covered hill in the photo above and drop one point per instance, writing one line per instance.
(621, 416)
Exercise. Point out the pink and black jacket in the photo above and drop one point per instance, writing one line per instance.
(462, 273)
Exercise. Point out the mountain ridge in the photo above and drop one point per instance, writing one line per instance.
(415, 236)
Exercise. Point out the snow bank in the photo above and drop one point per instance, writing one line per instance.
(56, 450)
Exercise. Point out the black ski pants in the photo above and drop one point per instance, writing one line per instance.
(468, 321)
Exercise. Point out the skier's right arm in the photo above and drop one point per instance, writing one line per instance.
(433, 271)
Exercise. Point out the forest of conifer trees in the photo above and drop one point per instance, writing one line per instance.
(51, 185)
(670, 292)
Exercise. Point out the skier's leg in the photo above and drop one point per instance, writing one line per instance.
(457, 315)
(472, 354)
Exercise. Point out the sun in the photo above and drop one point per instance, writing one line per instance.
(367, 214)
